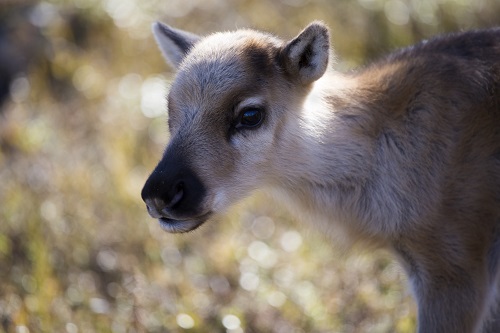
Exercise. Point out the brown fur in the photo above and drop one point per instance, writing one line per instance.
(404, 153)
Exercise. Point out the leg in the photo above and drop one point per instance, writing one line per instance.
(449, 304)
(453, 264)
(492, 324)
(492, 313)
(450, 285)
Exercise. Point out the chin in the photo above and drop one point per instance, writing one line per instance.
(181, 226)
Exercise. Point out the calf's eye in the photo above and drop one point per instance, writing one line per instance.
(249, 118)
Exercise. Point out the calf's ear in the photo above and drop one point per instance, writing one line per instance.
(305, 58)
(173, 43)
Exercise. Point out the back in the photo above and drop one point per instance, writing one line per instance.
(439, 102)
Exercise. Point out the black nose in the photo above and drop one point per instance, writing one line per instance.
(173, 191)
(161, 206)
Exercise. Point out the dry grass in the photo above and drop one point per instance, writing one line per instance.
(80, 132)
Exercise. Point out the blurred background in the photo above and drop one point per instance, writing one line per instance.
(83, 122)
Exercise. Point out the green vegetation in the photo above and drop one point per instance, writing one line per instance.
(84, 123)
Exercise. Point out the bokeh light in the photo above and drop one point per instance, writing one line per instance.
(82, 123)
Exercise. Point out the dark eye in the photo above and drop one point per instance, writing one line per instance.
(249, 118)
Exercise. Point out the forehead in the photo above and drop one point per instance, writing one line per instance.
(225, 63)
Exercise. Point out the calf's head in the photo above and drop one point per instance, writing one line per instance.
(230, 102)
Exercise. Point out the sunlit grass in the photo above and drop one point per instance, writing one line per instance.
(84, 125)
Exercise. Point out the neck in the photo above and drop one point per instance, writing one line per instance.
(326, 156)
(349, 157)
(330, 142)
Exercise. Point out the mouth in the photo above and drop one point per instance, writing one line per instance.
(181, 226)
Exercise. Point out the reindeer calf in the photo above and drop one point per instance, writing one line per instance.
(404, 153)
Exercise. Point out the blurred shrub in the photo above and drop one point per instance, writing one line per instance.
(81, 125)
